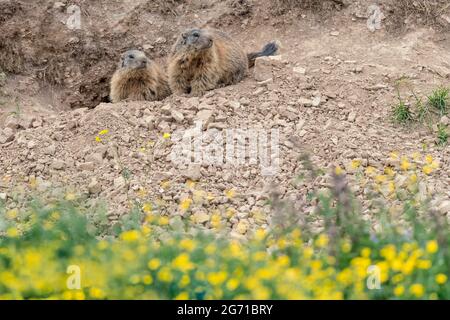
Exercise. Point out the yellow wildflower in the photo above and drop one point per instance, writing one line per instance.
(405, 164)
(417, 290)
(183, 263)
(399, 290)
(182, 296)
(103, 132)
(185, 204)
(165, 275)
(427, 170)
(154, 264)
(432, 246)
(130, 236)
(217, 278)
(441, 278)
(355, 164)
(322, 241)
(166, 135)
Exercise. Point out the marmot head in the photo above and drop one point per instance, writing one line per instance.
(134, 59)
(195, 40)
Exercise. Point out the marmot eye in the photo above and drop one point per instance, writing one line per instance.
(196, 34)
(131, 56)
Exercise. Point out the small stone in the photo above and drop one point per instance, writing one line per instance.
(3, 196)
(444, 207)
(305, 102)
(352, 116)
(7, 136)
(94, 187)
(50, 150)
(242, 227)
(200, 217)
(234, 104)
(316, 101)
(58, 164)
(12, 123)
(166, 109)
(299, 70)
(178, 116)
(334, 33)
(445, 120)
(205, 116)
(31, 144)
(119, 182)
(193, 172)
(87, 166)
(263, 69)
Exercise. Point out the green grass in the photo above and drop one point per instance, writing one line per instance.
(402, 113)
(442, 136)
(439, 99)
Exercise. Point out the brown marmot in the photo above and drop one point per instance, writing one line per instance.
(204, 59)
(138, 78)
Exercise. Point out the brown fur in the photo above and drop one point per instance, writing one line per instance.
(205, 61)
(139, 83)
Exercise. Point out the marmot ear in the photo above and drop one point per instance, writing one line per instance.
(184, 35)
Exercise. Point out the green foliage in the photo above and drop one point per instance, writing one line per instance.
(439, 99)
(442, 135)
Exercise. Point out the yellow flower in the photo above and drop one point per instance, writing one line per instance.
(163, 221)
(405, 164)
(147, 208)
(215, 220)
(399, 290)
(71, 196)
(365, 252)
(413, 178)
(98, 139)
(346, 247)
(217, 278)
(338, 171)
(230, 193)
(322, 241)
(424, 264)
(388, 252)
(429, 159)
(427, 170)
(232, 284)
(165, 275)
(154, 264)
(441, 278)
(394, 155)
(417, 290)
(370, 171)
(185, 204)
(187, 244)
(12, 214)
(182, 296)
(355, 164)
(130, 236)
(183, 263)
(12, 232)
(96, 293)
(389, 171)
(432, 246)
(103, 132)
(380, 178)
(166, 135)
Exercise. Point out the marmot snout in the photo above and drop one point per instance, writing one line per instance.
(138, 78)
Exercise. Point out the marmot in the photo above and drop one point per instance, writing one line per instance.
(204, 59)
(138, 78)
